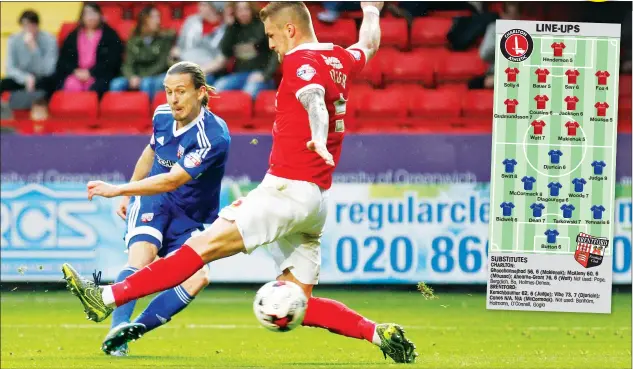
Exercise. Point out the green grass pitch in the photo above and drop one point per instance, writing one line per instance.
(49, 330)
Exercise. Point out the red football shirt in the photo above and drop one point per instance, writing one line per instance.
(602, 108)
(512, 74)
(602, 77)
(571, 102)
(542, 75)
(558, 48)
(511, 104)
(571, 128)
(538, 126)
(311, 65)
(572, 75)
(540, 101)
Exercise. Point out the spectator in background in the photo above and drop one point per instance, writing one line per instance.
(90, 56)
(31, 57)
(200, 36)
(147, 55)
(511, 10)
(246, 41)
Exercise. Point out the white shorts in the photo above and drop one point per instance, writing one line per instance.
(287, 218)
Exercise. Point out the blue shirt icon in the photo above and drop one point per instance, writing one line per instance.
(597, 211)
(554, 156)
(554, 188)
(598, 166)
(509, 163)
(537, 210)
(507, 208)
(579, 184)
(551, 235)
(528, 182)
(567, 210)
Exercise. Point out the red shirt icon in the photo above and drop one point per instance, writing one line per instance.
(572, 75)
(571, 102)
(602, 108)
(540, 101)
(511, 104)
(512, 74)
(542, 75)
(558, 48)
(602, 77)
(571, 128)
(538, 126)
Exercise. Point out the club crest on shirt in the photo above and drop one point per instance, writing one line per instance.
(181, 151)
(192, 160)
(147, 217)
(306, 72)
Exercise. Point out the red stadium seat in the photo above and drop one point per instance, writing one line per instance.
(624, 126)
(342, 33)
(624, 108)
(265, 104)
(459, 67)
(164, 8)
(124, 29)
(232, 105)
(449, 14)
(112, 12)
(411, 67)
(429, 31)
(160, 98)
(64, 31)
(371, 73)
(394, 32)
(74, 105)
(189, 9)
(173, 24)
(436, 104)
(125, 106)
(625, 85)
(478, 103)
(383, 104)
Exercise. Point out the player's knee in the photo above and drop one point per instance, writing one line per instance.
(141, 254)
(220, 240)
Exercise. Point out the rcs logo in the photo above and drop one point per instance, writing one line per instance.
(35, 217)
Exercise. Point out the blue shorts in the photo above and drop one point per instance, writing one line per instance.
(155, 220)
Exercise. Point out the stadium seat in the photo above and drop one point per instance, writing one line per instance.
(436, 104)
(624, 108)
(265, 104)
(74, 105)
(459, 67)
(450, 14)
(625, 85)
(478, 103)
(624, 126)
(383, 104)
(166, 11)
(112, 12)
(394, 32)
(411, 67)
(189, 9)
(159, 99)
(342, 33)
(173, 24)
(371, 73)
(428, 31)
(232, 106)
(124, 29)
(125, 106)
(64, 31)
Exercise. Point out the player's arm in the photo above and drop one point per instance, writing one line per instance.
(369, 34)
(153, 185)
(313, 101)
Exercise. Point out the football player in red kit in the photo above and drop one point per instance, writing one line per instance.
(286, 213)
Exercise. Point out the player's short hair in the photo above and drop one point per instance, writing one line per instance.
(30, 16)
(297, 8)
(197, 76)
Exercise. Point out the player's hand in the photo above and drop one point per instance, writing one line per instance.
(122, 210)
(103, 189)
(377, 4)
(320, 149)
(30, 83)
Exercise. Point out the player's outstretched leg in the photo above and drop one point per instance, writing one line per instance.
(88, 293)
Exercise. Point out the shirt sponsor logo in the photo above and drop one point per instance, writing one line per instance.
(333, 62)
(163, 162)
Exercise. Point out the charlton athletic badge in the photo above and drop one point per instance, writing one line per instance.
(516, 45)
(590, 250)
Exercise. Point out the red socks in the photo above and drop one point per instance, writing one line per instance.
(338, 318)
(160, 275)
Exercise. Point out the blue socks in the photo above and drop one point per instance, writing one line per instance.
(122, 314)
(163, 307)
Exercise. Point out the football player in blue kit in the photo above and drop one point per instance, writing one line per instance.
(185, 162)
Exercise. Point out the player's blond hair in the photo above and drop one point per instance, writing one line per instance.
(197, 76)
(298, 10)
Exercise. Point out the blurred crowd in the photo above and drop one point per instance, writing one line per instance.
(226, 38)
